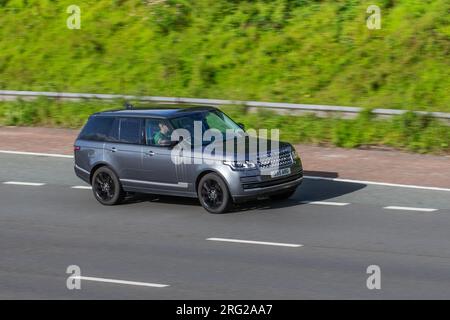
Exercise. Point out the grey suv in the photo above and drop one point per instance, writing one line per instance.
(137, 151)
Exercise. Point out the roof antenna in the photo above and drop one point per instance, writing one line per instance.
(129, 106)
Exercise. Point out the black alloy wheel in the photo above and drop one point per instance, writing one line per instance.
(106, 187)
(213, 194)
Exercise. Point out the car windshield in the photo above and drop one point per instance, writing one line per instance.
(211, 119)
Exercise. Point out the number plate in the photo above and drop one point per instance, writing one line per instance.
(280, 173)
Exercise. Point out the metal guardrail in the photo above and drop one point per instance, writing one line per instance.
(11, 94)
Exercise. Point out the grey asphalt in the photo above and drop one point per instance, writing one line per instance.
(162, 240)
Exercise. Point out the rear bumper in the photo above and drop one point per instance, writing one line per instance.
(82, 174)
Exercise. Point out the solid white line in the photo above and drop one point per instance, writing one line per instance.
(379, 183)
(54, 155)
(257, 242)
(306, 177)
(82, 187)
(410, 209)
(18, 183)
(133, 283)
(327, 203)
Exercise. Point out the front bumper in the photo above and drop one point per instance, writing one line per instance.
(250, 185)
(267, 191)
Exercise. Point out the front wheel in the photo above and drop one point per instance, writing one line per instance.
(213, 194)
(106, 187)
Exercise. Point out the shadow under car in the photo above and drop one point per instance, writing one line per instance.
(310, 190)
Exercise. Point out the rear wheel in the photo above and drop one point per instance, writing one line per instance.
(106, 187)
(213, 194)
(284, 195)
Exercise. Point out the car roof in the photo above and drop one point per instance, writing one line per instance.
(156, 111)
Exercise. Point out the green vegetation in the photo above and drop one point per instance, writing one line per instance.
(410, 132)
(304, 51)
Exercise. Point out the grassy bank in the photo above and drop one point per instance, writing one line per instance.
(303, 51)
(411, 132)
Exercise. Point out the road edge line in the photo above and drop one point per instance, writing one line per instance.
(39, 154)
(386, 184)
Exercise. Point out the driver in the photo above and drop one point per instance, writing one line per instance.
(162, 137)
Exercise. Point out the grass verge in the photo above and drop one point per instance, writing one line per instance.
(409, 132)
(300, 51)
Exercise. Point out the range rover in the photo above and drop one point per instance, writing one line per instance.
(138, 151)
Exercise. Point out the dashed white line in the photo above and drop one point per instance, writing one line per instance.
(410, 209)
(327, 203)
(133, 283)
(257, 242)
(54, 155)
(82, 187)
(19, 183)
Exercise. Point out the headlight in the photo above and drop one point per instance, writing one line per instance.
(294, 154)
(240, 165)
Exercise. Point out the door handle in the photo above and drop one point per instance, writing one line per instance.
(113, 149)
(150, 153)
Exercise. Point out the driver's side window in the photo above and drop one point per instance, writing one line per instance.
(156, 133)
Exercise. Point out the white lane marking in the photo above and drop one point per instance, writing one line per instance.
(257, 242)
(82, 187)
(306, 177)
(327, 203)
(410, 209)
(54, 155)
(19, 183)
(379, 183)
(133, 283)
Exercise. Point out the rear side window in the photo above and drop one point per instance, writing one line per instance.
(97, 129)
(131, 130)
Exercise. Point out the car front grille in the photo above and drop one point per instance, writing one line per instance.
(276, 160)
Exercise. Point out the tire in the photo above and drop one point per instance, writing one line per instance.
(213, 194)
(107, 187)
(284, 195)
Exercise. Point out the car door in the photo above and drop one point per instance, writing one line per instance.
(160, 170)
(124, 150)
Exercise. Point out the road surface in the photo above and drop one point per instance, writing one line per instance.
(316, 245)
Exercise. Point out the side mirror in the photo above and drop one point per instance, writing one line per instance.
(241, 125)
